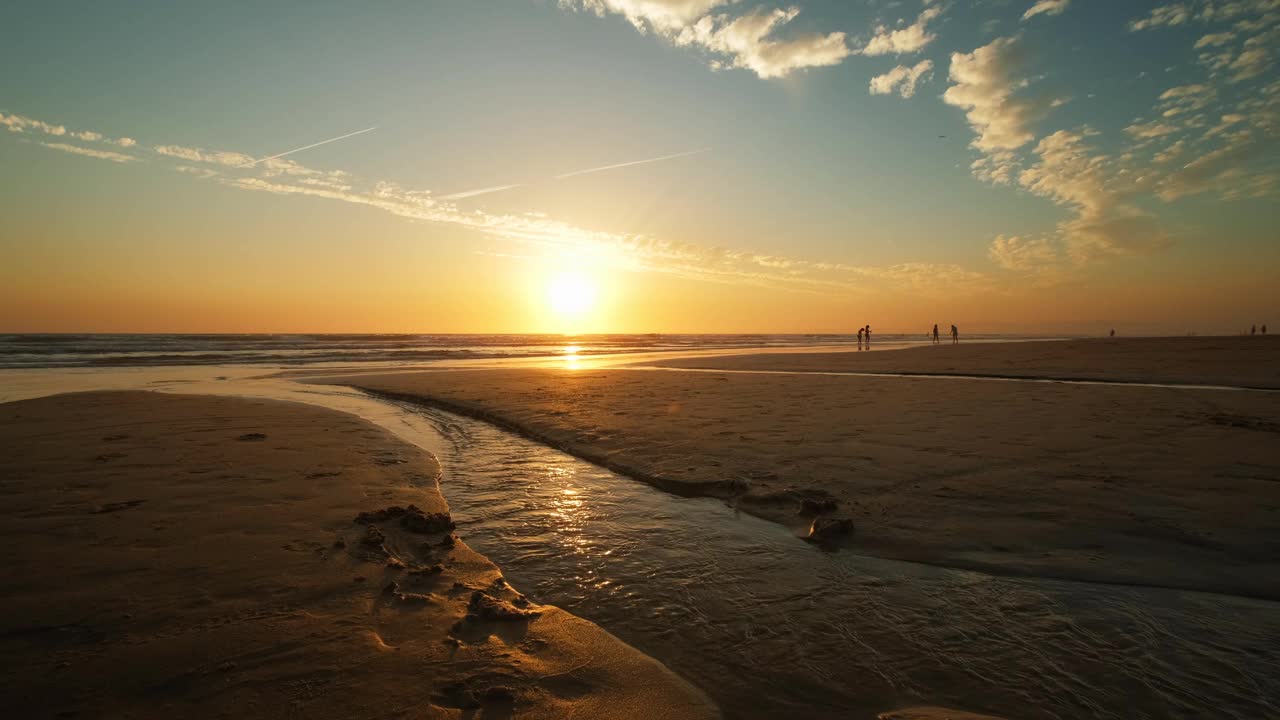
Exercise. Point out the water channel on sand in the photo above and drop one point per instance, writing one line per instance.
(770, 626)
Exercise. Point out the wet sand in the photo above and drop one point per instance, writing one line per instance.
(180, 556)
(1235, 361)
(1166, 487)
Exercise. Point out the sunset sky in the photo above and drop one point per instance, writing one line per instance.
(640, 166)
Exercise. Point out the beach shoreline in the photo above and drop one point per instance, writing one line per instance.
(212, 547)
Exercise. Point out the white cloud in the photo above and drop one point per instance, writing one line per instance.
(657, 15)
(216, 157)
(902, 79)
(1175, 14)
(750, 40)
(910, 39)
(747, 42)
(1046, 7)
(984, 83)
(20, 124)
(999, 167)
(90, 152)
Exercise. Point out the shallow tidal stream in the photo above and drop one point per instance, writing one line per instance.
(770, 626)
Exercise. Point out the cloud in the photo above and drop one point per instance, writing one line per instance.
(1215, 39)
(215, 157)
(90, 152)
(1209, 11)
(1153, 129)
(19, 124)
(1022, 254)
(1072, 174)
(903, 79)
(1166, 15)
(1216, 169)
(983, 84)
(1186, 98)
(1250, 64)
(22, 124)
(1046, 7)
(749, 40)
(1122, 231)
(656, 15)
(746, 41)
(910, 39)
(1170, 153)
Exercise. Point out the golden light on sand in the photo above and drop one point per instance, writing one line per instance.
(571, 294)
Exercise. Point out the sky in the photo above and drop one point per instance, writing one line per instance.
(1031, 166)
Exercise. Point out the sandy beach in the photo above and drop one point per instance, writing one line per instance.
(1116, 483)
(180, 556)
(1230, 361)
(199, 555)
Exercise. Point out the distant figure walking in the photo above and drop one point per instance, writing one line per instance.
(1253, 329)
(955, 334)
(860, 338)
(935, 333)
(1113, 332)
(868, 328)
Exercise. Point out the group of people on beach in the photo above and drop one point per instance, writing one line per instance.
(955, 334)
(864, 335)
(1253, 330)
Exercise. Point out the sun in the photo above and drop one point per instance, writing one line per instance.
(571, 294)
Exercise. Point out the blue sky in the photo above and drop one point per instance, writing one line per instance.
(822, 177)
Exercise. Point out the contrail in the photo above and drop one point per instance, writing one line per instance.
(500, 188)
(308, 147)
(481, 191)
(628, 164)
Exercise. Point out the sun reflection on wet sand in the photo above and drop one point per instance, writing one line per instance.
(570, 356)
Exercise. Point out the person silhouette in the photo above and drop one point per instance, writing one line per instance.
(1113, 332)
(1253, 330)
(859, 338)
(955, 334)
(935, 333)
(868, 337)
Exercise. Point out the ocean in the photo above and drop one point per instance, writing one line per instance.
(145, 350)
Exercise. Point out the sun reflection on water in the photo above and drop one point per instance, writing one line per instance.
(571, 357)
